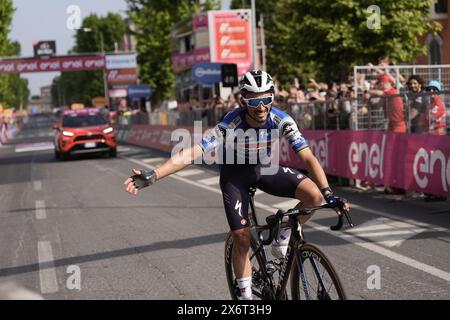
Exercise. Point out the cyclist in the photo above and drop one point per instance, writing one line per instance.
(257, 113)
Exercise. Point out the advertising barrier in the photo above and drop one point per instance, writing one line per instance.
(408, 161)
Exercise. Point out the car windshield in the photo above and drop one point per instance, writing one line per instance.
(82, 120)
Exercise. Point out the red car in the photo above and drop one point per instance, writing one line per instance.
(83, 131)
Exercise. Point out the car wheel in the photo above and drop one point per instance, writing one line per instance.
(113, 152)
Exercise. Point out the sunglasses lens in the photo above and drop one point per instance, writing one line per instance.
(256, 102)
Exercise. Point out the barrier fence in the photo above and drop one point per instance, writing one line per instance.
(408, 161)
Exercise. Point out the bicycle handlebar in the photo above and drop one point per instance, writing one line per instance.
(274, 221)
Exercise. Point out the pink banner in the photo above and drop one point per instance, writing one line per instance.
(408, 161)
(186, 60)
(75, 63)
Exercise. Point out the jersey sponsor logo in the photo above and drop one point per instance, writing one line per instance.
(286, 170)
(243, 222)
(238, 207)
(276, 119)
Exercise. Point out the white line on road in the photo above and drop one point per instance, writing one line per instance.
(47, 272)
(210, 181)
(189, 172)
(35, 147)
(352, 239)
(40, 210)
(37, 185)
(152, 160)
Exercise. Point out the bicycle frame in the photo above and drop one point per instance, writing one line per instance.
(296, 240)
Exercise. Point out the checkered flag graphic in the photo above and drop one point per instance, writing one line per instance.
(244, 15)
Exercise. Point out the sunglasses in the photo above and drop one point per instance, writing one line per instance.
(255, 102)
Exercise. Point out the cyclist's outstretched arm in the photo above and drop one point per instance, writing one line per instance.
(179, 161)
(141, 179)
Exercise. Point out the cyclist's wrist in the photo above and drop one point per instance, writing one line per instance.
(326, 191)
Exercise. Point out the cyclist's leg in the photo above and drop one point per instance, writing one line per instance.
(291, 183)
(235, 185)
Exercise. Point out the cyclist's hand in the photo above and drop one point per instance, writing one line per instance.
(336, 202)
(139, 180)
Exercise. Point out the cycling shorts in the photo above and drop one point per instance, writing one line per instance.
(236, 181)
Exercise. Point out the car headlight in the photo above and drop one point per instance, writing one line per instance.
(68, 133)
(108, 130)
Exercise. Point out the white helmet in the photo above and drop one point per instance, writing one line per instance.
(256, 81)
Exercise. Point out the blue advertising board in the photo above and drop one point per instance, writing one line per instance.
(139, 91)
(207, 73)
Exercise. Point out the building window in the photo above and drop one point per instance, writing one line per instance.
(434, 44)
(441, 6)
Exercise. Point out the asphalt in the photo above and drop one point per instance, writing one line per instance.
(64, 219)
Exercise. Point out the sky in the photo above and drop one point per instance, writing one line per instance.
(47, 20)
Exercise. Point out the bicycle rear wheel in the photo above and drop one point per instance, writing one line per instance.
(258, 270)
(313, 276)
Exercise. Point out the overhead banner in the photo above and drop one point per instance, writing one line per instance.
(231, 38)
(55, 64)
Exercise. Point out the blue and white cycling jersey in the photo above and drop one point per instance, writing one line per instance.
(246, 142)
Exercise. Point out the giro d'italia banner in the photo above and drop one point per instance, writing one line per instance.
(409, 161)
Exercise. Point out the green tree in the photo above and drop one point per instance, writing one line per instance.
(153, 21)
(82, 86)
(325, 38)
(13, 89)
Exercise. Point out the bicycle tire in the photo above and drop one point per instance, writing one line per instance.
(310, 252)
(231, 279)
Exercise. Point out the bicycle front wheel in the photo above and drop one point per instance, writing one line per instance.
(258, 270)
(313, 276)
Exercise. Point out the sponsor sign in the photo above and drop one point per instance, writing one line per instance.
(44, 49)
(123, 76)
(67, 63)
(231, 38)
(207, 73)
(137, 92)
(121, 61)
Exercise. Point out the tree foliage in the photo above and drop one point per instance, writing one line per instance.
(13, 89)
(82, 86)
(153, 21)
(325, 38)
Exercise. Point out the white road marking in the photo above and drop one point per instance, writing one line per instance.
(37, 185)
(189, 172)
(35, 147)
(396, 218)
(152, 160)
(350, 238)
(123, 149)
(210, 181)
(40, 210)
(47, 272)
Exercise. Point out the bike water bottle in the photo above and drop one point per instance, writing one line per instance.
(280, 244)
